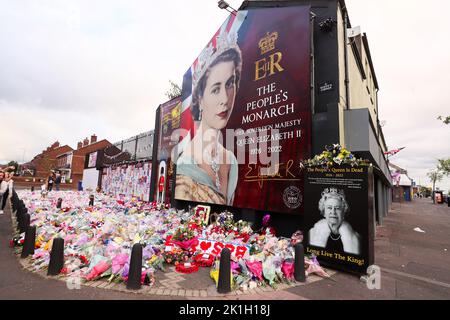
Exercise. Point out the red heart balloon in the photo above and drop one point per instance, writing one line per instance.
(205, 245)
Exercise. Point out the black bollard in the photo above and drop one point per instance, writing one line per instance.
(224, 284)
(30, 240)
(19, 217)
(91, 200)
(32, 188)
(15, 201)
(59, 204)
(21, 211)
(135, 271)
(56, 257)
(299, 264)
(25, 223)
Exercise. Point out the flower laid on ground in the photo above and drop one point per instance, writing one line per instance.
(334, 155)
(98, 240)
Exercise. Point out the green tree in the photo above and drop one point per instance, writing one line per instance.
(446, 120)
(444, 166)
(14, 164)
(174, 91)
(425, 191)
(434, 176)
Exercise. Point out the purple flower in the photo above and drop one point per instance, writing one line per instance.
(266, 220)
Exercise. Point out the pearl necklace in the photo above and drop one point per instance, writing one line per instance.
(331, 236)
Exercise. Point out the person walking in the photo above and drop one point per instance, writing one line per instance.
(3, 188)
(9, 187)
(57, 180)
(50, 183)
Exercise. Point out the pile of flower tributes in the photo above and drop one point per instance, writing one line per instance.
(98, 240)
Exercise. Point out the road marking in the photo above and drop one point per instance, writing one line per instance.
(407, 275)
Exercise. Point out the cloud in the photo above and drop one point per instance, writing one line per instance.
(410, 58)
(72, 69)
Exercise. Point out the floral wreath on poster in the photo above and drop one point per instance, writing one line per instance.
(334, 155)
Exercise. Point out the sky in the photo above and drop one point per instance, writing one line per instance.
(76, 68)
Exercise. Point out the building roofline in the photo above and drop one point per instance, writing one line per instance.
(93, 144)
(369, 56)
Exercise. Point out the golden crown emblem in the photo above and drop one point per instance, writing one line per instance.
(267, 43)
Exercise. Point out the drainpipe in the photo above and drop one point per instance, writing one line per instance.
(347, 81)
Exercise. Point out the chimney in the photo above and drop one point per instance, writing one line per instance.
(93, 139)
(80, 145)
(85, 142)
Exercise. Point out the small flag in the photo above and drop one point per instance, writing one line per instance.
(393, 152)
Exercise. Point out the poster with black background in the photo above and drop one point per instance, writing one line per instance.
(169, 122)
(339, 217)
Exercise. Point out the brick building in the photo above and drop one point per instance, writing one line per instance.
(42, 165)
(71, 163)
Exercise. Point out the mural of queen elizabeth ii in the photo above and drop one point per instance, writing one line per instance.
(206, 171)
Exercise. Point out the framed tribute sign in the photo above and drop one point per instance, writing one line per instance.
(339, 222)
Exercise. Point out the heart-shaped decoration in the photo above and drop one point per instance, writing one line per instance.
(205, 245)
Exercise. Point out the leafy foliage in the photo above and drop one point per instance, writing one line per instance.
(174, 91)
(444, 166)
(446, 120)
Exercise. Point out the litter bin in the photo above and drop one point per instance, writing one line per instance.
(80, 185)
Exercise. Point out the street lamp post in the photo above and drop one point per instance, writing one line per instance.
(224, 5)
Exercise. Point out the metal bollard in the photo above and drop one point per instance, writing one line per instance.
(25, 223)
(30, 240)
(224, 283)
(59, 204)
(299, 264)
(135, 271)
(56, 257)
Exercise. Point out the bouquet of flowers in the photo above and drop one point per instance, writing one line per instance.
(225, 220)
(175, 255)
(183, 233)
(335, 154)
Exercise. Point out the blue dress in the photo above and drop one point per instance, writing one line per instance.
(188, 167)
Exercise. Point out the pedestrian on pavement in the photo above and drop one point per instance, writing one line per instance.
(50, 182)
(333, 232)
(3, 188)
(8, 192)
(57, 180)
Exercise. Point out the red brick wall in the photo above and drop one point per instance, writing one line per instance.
(46, 161)
(79, 157)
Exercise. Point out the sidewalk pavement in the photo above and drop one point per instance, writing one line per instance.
(413, 266)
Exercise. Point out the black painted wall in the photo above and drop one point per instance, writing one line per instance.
(325, 118)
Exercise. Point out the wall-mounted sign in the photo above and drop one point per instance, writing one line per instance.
(169, 123)
(339, 217)
(326, 86)
(247, 115)
(92, 160)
